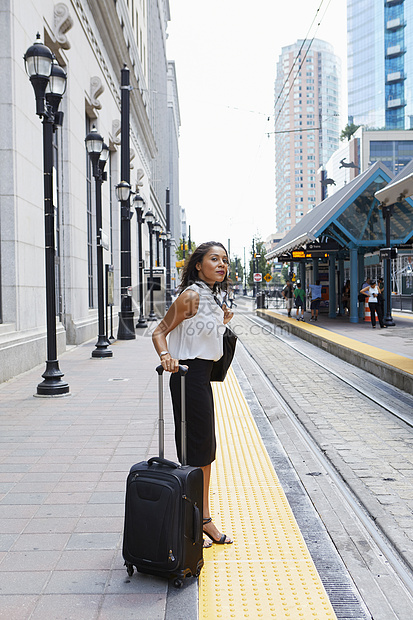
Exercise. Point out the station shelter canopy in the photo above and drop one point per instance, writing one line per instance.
(352, 217)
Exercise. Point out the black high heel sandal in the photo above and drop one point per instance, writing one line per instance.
(224, 540)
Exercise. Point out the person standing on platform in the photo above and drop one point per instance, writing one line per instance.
(380, 298)
(299, 294)
(194, 324)
(345, 297)
(372, 292)
(288, 294)
(315, 299)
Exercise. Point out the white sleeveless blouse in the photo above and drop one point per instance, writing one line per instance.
(200, 336)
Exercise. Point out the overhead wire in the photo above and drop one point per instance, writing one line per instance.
(297, 55)
(301, 64)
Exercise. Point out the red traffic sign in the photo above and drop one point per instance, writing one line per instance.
(257, 277)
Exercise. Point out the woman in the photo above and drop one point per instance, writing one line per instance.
(194, 324)
(372, 292)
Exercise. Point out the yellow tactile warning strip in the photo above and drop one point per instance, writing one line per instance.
(392, 359)
(267, 572)
(401, 315)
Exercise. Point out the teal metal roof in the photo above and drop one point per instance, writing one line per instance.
(352, 216)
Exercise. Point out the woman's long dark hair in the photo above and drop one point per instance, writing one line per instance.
(190, 272)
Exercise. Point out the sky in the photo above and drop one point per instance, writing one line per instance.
(226, 53)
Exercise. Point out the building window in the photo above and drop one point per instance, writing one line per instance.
(57, 218)
(89, 222)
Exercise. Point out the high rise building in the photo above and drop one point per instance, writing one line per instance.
(307, 90)
(380, 63)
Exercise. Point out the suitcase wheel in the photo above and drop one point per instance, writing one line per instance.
(129, 568)
(178, 583)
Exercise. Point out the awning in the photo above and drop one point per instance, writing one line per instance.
(352, 217)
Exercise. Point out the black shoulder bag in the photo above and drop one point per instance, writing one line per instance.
(220, 367)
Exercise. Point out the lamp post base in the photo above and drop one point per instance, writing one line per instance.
(101, 350)
(141, 323)
(152, 316)
(126, 330)
(52, 384)
(388, 320)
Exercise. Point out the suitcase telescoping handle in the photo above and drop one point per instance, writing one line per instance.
(182, 371)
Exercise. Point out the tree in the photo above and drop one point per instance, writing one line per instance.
(237, 270)
(348, 131)
(260, 262)
(179, 250)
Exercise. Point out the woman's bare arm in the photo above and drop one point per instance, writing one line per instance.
(183, 308)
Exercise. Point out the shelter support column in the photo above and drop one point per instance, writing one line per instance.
(301, 268)
(340, 285)
(332, 313)
(315, 270)
(354, 288)
(360, 281)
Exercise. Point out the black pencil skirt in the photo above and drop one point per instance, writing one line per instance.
(200, 417)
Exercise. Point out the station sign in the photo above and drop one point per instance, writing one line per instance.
(298, 254)
(103, 239)
(386, 253)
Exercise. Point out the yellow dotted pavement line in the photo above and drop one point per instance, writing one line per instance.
(267, 572)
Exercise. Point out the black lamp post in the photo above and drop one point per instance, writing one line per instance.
(387, 213)
(162, 238)
(139, 205)
(157, 230)
(168, 248)
(99, 153)
(150, 220)
(183, 247)
(126, 330)
(49, 83)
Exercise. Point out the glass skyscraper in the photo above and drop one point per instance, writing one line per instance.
(380, 63)
(307, 89)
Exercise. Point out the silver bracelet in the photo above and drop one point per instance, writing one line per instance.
(163, 353)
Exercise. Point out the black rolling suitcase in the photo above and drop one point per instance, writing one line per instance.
(163, 511)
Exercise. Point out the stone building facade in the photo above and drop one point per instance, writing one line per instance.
(92, 40)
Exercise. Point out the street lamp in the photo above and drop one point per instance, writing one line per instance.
(123, 190)
(99, 153)
(49, 84)
(168, 248)
(139, 205)
(388, 196)
(157, 229)
(162, 238)
(126, 329)
(150, 220)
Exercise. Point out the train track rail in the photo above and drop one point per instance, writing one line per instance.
(395, 411)
(395, 559)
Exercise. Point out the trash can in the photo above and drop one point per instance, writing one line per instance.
(261, 300)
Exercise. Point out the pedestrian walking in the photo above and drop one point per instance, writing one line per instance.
(315, 291)
(288, 294)
(299, 294)
(371, 291)
(194, 326)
